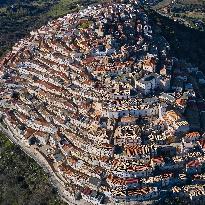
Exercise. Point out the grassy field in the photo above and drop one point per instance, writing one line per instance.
(63, 6)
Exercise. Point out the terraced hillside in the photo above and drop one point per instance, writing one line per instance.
(96, 99)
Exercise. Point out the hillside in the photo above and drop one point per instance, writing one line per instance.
(186, 43)
(18, 18)
(188, 12)
(21, 186)
(98, 101)
(22, 181)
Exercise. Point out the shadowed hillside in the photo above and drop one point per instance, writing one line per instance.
(186, 43)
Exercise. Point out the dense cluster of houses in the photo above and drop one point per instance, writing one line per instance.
(97, 94)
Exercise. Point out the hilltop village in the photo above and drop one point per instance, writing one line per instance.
(97, 97)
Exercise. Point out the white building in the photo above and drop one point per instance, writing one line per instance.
(148, 83)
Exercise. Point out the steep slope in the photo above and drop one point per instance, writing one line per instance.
(96, 99)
